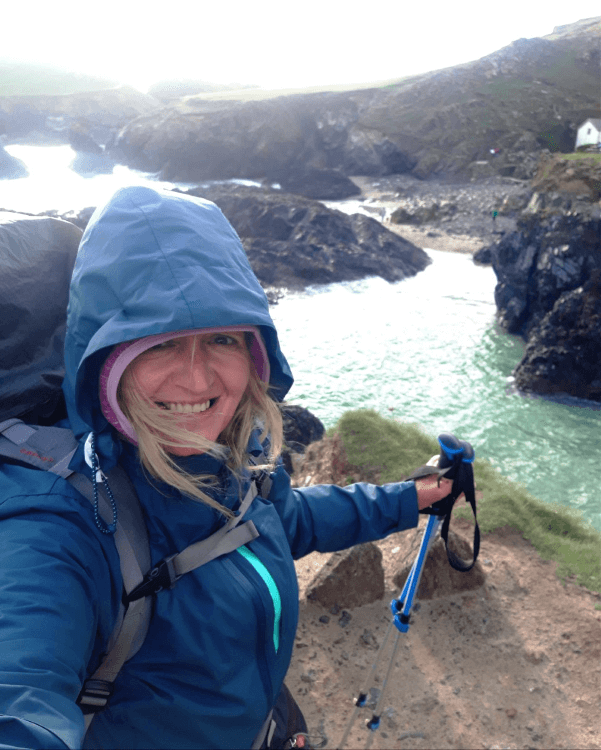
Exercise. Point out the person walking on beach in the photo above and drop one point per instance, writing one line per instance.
(173, 372)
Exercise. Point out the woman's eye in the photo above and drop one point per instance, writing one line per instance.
(159, 347)
(225, 340)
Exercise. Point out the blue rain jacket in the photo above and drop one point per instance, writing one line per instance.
(220, 642)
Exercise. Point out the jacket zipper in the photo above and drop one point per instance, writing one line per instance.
(262, 621)
(271, 587)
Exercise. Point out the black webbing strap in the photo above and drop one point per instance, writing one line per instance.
(462, 474)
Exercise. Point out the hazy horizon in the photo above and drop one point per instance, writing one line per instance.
(269, 45)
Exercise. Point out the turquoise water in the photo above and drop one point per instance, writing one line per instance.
(424, 350)
(428, 350)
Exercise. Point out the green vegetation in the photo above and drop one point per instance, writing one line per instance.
(558, 533)
(581, 156)
(24, 79)
(256, 94)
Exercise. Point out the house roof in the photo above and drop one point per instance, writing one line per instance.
(596, 121)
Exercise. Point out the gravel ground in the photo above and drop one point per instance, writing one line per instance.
(464, 209)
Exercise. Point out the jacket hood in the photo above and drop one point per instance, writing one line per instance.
(154, 262)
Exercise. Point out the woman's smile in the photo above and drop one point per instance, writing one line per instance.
(202, 377)
(187, 408)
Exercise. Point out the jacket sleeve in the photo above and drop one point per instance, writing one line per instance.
(328, 518)
(53, 578)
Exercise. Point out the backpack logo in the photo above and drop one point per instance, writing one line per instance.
(37, 455)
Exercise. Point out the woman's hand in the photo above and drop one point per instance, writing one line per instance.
(429, 492)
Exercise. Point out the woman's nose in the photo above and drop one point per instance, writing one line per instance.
(195, 369)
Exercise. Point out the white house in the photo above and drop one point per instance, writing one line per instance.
(589, 133)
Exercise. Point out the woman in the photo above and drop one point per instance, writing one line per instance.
(173, 364)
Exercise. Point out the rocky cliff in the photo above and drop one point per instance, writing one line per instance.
(51, 118)
(549, 281)
(519, 100)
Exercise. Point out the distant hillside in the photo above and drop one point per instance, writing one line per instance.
(27, 79)
(516, 102)
(527, 96)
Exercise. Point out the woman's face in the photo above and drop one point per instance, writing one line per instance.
(203, 377)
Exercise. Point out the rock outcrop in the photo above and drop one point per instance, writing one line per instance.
(321, 184)
(548, 288)
(90, 157)
(293, 242)
(563, 355)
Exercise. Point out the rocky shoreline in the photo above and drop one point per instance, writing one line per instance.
(543, 244)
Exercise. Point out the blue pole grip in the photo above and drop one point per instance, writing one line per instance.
(450, 448)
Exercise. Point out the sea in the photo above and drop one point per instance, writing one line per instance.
(425, 350)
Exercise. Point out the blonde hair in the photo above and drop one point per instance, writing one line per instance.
(156, 429)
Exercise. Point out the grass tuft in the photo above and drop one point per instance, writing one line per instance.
(559, 533)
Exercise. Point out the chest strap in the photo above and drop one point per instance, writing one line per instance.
(226, 539)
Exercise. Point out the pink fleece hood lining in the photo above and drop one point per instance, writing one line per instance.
(123, 354)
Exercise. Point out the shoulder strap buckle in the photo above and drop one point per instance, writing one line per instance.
(94, 695)
(162, 576)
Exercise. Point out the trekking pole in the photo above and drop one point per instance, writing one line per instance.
(454, 456)
(401, 609)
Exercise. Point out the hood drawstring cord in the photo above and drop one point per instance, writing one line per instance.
(97, 476)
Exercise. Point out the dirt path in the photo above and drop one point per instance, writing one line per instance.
(513, 664)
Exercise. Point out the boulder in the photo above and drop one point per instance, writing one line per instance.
(423, 212)
(349, 579)
(301, 428)
(321, 184)
(438, 577)
(87, 164)
(483, 257)
(292, 242)
(11, 168)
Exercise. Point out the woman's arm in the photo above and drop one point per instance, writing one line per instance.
(327, 518)
(56, 591)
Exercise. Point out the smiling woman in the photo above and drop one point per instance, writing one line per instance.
(210, 394)
(173, 377)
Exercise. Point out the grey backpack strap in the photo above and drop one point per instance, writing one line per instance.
(226, 539)
(130, 630)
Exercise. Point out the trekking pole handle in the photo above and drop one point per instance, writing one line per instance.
(453, 451)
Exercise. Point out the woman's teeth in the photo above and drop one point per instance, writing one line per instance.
(187, 408)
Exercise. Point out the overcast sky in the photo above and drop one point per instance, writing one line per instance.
(272, 43)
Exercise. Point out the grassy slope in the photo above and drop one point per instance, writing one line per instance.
(246, 95)
(558, 533)
(24, 79)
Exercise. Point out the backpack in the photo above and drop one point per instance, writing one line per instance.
(43, 250)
